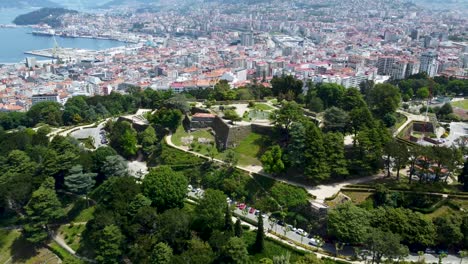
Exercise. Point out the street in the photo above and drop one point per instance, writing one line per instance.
(348, 251)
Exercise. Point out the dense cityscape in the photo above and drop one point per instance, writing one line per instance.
(208, 42)
(206, 131)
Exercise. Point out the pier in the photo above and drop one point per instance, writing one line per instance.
(63, 53)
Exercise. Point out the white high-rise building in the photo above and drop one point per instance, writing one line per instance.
(247, 39)
(429, 63)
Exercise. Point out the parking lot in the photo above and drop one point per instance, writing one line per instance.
(97, 133)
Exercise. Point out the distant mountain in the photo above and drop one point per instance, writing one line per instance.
(81, 4)
(114, 3)
(27, 3)
(50, 16)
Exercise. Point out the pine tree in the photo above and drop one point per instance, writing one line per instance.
(228, 225)
(78, 182)
(43, 208)
(463, 177)
(238, 229)
(260, 238)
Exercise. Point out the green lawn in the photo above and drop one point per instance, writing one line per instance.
(181, 133)
(262, 107)
(72, 234)
(271, 249)
(251, 148)
(14, 249)
(79, 211)
(7, 238)
(461, 104)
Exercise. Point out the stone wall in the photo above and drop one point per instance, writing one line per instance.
(263, 129)
(423, 127)
(237, 134)
(221, 130)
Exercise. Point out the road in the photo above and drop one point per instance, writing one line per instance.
(348, 251)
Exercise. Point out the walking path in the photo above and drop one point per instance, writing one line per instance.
(320, 191)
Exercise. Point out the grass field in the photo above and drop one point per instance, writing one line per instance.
(251, 148)
(262, 107)
(181, 133)
(7, 238)
(461, 104)
(14, 249)
(72, 235)
(357, 197)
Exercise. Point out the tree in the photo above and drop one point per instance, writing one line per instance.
(231, 158)
(448, 229)
(352, 99)
(210, 211)
(289, 113)
(223, 92)
(335, 153)
(282, 259)
(315, 104)
(166, 118)
(412, 227)
(335, 119)
(16, 180)
(315, 161)
(228, 225)
(463, 177)
(445, 110)
(384, 244)
(383, 99)
(123, 138)
(235, 251)
(259, 244)
(198, 252)
(78, 182)
(46, 112)
(272, 160)
(348, 223)
(232, 115)
(114, 166)
(147, 140)
(43, 209)
(238, 228)
(173, 227)
(109, 245)
(165, 188)
(330, 93)
(162, 254)
(309, 259)
(423, 93)
(286, 84)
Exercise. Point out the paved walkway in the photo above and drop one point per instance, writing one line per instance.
(320, 191)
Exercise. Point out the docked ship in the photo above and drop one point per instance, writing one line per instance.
(48, 32)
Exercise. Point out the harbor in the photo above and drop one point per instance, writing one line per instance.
(66, 54)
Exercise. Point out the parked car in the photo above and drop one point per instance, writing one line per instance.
(300, 231)
(430, 251)
(189, 188)
(314, 242)
(252, 210)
